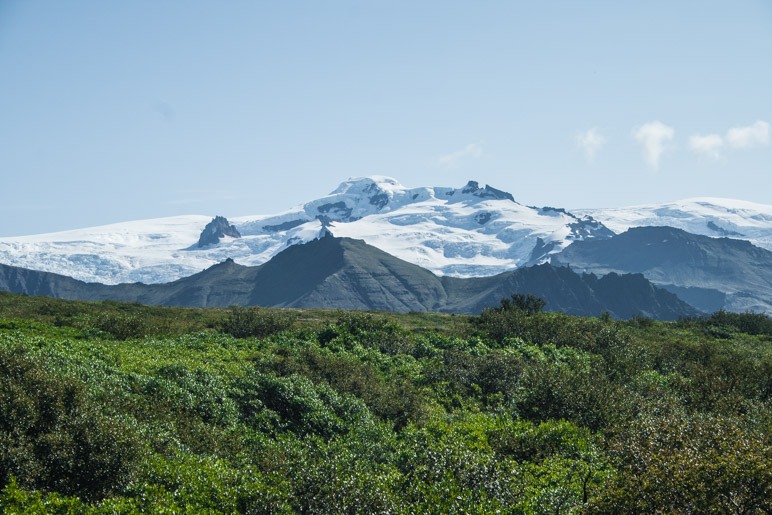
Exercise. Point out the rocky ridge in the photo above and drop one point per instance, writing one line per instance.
(216, 230)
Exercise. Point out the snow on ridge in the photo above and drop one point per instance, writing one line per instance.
(465, 231)
(727, 203)
(708, 216)
(382, 182)
(152, 228)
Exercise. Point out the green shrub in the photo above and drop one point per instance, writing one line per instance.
(722, 324)
(749, 323)
(680, 464)
(462, 378)
(122, 326)
(296, 404)
(197, 392)
(527, 303)
(641, 322)
(255, 322)
(394, 400)
(349, 411)
(370, 331)
(53, 438)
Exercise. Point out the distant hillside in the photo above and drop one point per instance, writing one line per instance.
(709, 273)
(349, 274)
(707, 216)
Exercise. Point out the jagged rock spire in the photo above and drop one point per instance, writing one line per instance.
(216, 229)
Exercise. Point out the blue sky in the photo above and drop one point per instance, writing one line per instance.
(113, 111)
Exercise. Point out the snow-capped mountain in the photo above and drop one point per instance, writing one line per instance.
(715, 217)
(468, 231)
(462, 232)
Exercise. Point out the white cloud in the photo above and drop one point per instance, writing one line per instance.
(653, 137)
(709, 145)
(590, 141)
(473, 150)
(746, 137)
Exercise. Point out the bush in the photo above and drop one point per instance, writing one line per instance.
(493, 379)
(641, 322)
(196, 392)
(255, 322)
(527, 303)
(294, 403)
(371, 332)
(122, 326)
(677, 464)
(546, 328)
(397, 401)
(53, 438)
(749, 323)
(722, 324)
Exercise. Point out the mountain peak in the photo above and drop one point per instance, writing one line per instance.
(473, 187)
(371, 183)
(218, 228)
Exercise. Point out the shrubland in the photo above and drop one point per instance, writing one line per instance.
(123, 408)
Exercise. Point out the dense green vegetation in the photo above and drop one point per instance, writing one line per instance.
(122, 408)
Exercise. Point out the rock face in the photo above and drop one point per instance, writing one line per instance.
(474, 188)
(216, 229)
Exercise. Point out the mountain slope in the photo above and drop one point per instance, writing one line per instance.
(710, 273)
(349, 274)
(471, 231)
(341, 272)
(715, 217)
(468, 231)
(623, 296)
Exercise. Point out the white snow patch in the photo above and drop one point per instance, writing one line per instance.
(442, 229)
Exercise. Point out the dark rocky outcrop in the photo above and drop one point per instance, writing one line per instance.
(336, 210)
(721, 231)
(379, 199)
(215, 230)
(483, 217)
(587, 228)
(284, 226)
(474, 188)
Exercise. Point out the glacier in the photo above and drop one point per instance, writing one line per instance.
(462, 232)
(707, 216)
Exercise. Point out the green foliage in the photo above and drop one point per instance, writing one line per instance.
(393, 399)
(255, 322)
(15, 500)
(122, 408)
(690, 464)
(641, 322)
(296, 404)
(527, 303)
(121, 326)
(184, 482)
(510, 318)
(195, 391)
(724, 323)
(53, 437)
(590, 334)
(369, 331)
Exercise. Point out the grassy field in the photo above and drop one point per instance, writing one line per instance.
(124, 408)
